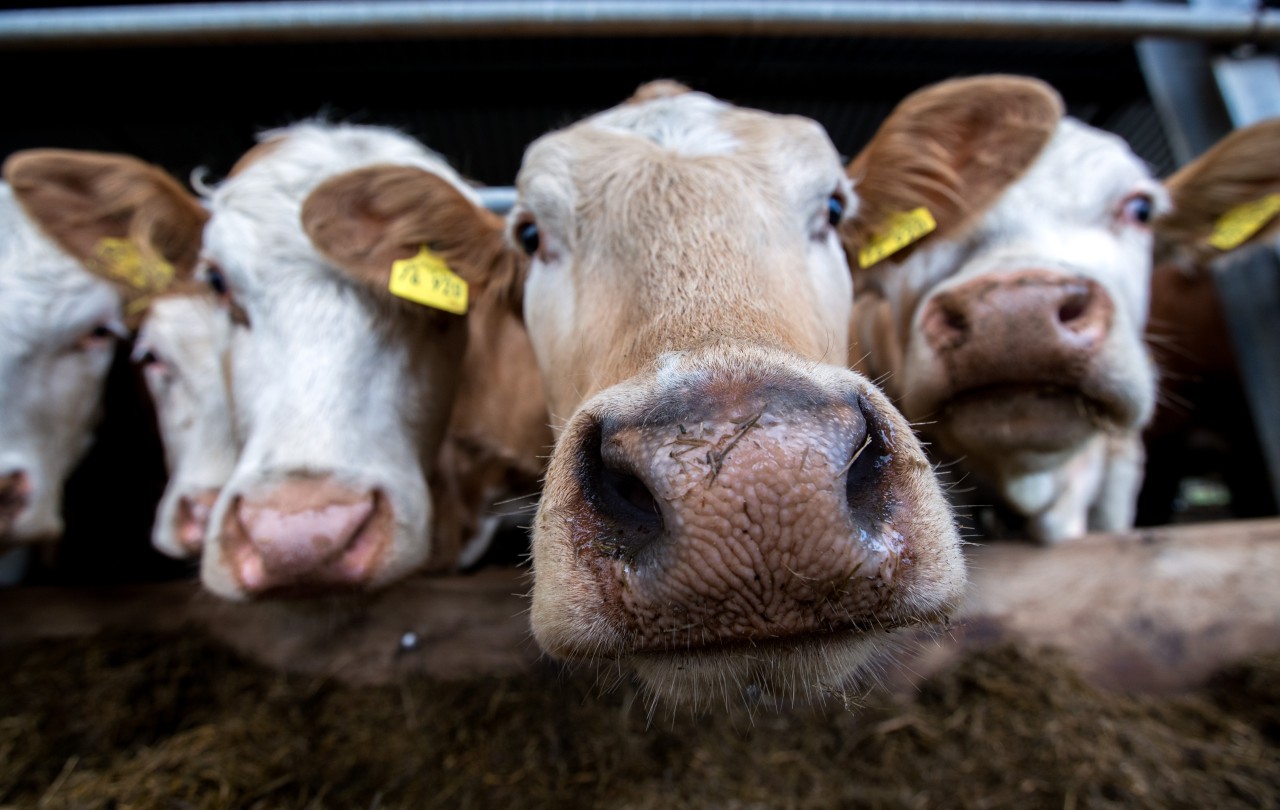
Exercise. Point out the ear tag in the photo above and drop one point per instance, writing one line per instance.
(901, 229)
(1236, 226)
(426, 279)
(123, 260)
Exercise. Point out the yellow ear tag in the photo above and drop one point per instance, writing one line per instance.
(1234, 227)
(901, 229)
(426, 279)
(124, 261)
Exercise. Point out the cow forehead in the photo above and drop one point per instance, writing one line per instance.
(565, 171)
(1081, 175)
(256, 211)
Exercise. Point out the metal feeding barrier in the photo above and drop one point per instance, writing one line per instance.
(196, 23)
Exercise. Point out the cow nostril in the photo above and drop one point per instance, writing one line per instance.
(1075, 306)
(618, 497)
(864, 471)
(954, 320)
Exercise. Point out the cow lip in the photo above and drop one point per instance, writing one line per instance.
(935, 619)
(1098, 410)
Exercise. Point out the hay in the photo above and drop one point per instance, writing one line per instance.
(180, 722)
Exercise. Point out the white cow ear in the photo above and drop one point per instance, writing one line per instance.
(1227, 198)
(81, 199)
(367, 219)
(951, 148)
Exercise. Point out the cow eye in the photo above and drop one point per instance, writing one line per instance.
(1138, 209)
(100, 336)
(835, 210)
(147, 358)
(528, 237)
(217, 281)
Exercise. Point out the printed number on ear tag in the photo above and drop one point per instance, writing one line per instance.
(426, 279)
(900, 230)
(123, 260)
(1235, 227)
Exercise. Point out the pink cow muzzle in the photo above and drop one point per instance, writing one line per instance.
(191, 520)
(306, 535)
(734, 512)
(1021, 362)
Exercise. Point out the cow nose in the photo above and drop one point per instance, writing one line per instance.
(1028, 311)
(754, 517)
(15, 491)
(306, 533)
(191, 520)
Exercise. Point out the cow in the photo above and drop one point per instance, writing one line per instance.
(133, 226)
(728, 507)
(59, 331)
(493, 453)
(1009, 324)
(1224, 203)
(341, 383)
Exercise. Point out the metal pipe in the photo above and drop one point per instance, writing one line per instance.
(206, 23)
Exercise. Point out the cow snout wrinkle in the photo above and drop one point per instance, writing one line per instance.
(742, 525)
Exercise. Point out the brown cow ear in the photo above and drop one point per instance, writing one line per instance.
(951, 148)
(1228, 197)
(368, 219)
(81, 199)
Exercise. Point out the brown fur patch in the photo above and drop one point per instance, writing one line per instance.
(953, 147)
(256, 154)
(365, 219)
(79, 198)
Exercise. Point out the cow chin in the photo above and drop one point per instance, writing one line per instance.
(765, 529)
(1024, 418)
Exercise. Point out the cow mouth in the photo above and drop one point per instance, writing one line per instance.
(350, 568)
(1036, 417)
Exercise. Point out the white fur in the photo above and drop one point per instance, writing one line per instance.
(50, 381)
(188, 336)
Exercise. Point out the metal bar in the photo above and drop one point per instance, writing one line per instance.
(205, 23)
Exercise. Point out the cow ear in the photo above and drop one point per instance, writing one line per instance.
(952, 149)
(367, 219)
(80, 199)
(1228, 197)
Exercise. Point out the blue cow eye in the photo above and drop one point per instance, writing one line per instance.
(528, 237)
(835, 210)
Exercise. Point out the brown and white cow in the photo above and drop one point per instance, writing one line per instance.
(1013, 331)
(59, 328)
(342, 391)
(1224, 202)
(728, 507)
(83, 200)
(493, 452)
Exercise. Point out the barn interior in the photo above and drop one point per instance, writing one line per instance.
(123, 687)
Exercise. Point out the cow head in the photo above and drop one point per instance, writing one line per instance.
(132, 225)
(341, 391)
(93, 211)
(1014, 328)
(727, 505)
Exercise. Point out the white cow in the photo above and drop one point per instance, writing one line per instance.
(1013, 330)
(341, 390)
(59, 328)
(84, 200)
